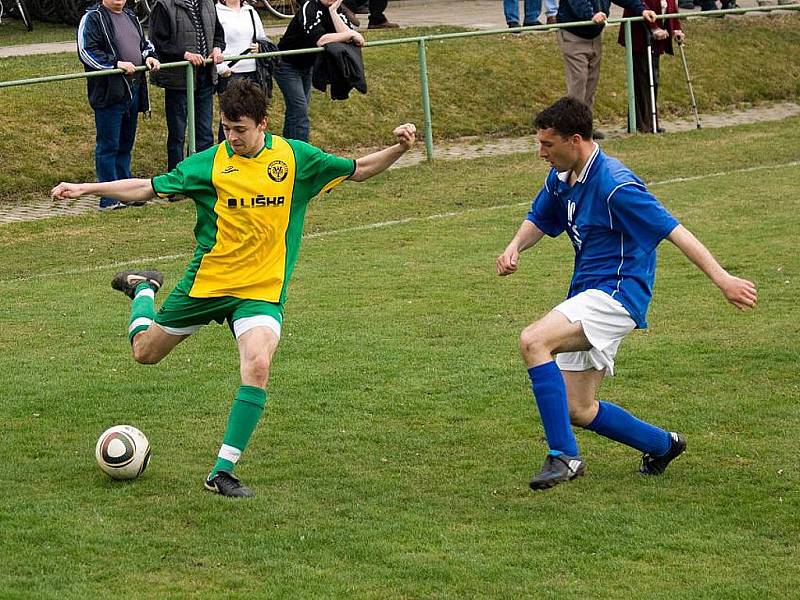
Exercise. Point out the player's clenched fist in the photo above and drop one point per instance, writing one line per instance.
(66, 191)
(406, 135)
(507, 262)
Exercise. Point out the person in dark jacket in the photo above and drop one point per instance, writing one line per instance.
(583, 46)
(110, 37)
(187, 30)
(661, 35)
(319, 22)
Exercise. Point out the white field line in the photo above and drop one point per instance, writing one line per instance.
(378, 225)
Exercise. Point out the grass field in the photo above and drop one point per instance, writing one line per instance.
(490, 85)
(394, 456)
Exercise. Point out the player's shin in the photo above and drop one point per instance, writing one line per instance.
(143, 310)
(551, 398)
(621, 426)
(242, 421)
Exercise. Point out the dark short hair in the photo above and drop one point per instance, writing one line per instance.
(567, 116)
(243, 98)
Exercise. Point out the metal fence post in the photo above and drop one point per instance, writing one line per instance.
(629, 74)
(426, 99)
(190, 108)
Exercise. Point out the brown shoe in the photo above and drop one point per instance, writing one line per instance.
(384, 25)
(350, 16)
(552, 20)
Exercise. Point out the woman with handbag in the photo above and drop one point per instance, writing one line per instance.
(243, 28)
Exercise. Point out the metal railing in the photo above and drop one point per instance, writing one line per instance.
(421, 42)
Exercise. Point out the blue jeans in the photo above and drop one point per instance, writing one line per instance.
(532, 10)
(295, 84)
(115, 126)
(175, 111)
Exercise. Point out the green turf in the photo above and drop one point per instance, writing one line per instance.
(394, 455)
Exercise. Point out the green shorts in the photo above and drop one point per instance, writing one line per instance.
(183, 315)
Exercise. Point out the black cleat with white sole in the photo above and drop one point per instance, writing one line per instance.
(127, 281)
(558, 468)
(227, 484)
(656, 465)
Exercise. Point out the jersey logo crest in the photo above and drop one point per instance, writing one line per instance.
(277, 170)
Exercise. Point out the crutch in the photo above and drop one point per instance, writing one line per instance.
(689, 84)
(650, 79)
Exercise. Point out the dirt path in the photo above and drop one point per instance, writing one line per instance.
(465, 148)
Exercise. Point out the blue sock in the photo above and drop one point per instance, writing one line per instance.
(551, 398)
(618, 424)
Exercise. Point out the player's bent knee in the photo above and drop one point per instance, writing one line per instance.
(144, 353)
(144, 356)
(531, 341)
(256, 369)
(581, 416)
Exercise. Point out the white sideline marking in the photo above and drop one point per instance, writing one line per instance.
(380, 224)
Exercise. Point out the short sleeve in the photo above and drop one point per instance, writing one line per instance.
(318, 171)
(191, 177)
(637, 212)
(544, 211)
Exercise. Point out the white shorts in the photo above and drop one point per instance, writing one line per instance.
(605, 323)
(240, 326)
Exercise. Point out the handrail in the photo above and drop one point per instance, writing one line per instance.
(421, 41)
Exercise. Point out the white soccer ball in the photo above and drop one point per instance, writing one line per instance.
(122, 452)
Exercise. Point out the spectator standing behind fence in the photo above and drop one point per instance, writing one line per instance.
(582, 47)
(376, 10)
(110, 37)
(532, 9)
(242, 27)
(318, 22)
(187, 30)
(662, 33)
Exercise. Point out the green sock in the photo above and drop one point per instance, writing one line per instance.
(246, 411)
(143, 310)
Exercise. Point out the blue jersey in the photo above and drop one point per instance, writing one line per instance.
(614, 224)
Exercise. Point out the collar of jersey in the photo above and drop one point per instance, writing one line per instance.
(267, 145)
(564, 175)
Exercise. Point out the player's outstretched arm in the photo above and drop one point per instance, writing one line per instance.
(739, 292)
(124, 190)
(377, 162)
(527, 236)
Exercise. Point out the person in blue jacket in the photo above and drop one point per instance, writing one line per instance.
(110, 37)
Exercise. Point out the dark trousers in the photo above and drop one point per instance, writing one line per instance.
(641, 88)
(175, 110)
(295, 84)
(115, 128)
(376, 9)
(222, 85)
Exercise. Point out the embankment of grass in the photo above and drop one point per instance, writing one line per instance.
(489, 85)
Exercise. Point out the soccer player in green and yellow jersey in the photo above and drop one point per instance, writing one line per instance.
(251, 193)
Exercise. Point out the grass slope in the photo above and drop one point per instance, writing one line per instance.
(394, 455)
(479, 86)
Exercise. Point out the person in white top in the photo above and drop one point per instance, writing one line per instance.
(242, 27)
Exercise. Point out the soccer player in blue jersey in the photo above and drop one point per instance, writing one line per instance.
(614, 224)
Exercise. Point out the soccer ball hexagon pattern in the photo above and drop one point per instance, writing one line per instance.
(122, 452)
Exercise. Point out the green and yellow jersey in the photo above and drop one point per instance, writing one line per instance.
(250, 213)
